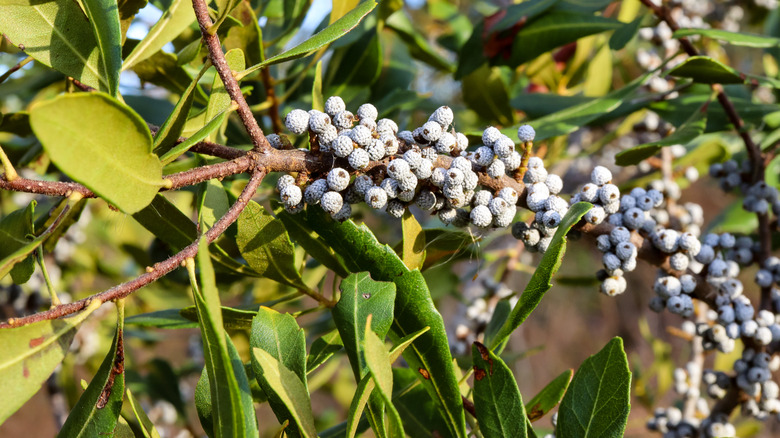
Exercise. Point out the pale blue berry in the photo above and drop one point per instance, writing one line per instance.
(367, 111)
(331, 202)
(490, 135)
(600, 175)
(526, 133)
(359, 159)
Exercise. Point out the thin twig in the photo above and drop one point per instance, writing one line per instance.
(159, 269)
(15, 68)
(226, 74)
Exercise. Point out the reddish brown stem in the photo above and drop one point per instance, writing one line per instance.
(211, 41)
(158, 270)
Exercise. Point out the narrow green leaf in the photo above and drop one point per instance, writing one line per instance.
(485, 91)
(522, 12)
(378, 363)
(413, 242)
(588, 6)
(169, 132)
(317, 99)
(626, 33)
(210, 129)
(231, 419)
(127, 10)
(104, 17)
(357, 406)
(308, 239)
(46, 31)
(232, 318)
(735, 38)
(213, 203)
(147, 427)
(129, 179)
(540, 281)
(322, 349)
(71, 217)
(175, 229)
(30, 355)
(322, 38)
(173, 22)
(405, 342)
(279, 336)
(97, 411)
(266, 247)
(548, 397)
(165, 319)
(706, 70)
(204, 406)
(225, 7)
(414, 310)
(14, 230)
(553, 30)
(497, 399)
(571, 118)
(692, 129)
(220, 100)
(598, 399)
(360, 297)
(289, 388)
(417, 44)
(418, 411)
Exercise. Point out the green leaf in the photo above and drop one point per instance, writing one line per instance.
(165, 319)
(497, 399)
(104, 17)
(540, 281)
(317, 99)
(598, 399)
(175, 229)
(548, 397)
(485, 92)
(414, 310)
(127, 10)
(129, 179)
(290, 390)
(46, 31)
(203, 403)
(213, 202)
(413, 242)
(225, 7)
(169, 132)
(266, 247)
(71, 217)
(418, 411)
(231, 419)
(356, 407)
(589, 6)
(692, 129)
(417, 44)
(572, 118)
(220, 100)
(165, 70)
(735, 38)
(30, 355)
(360, 297)
(248, 37)
(203, 133)
(322, 38)
(378, 363)
(147, 427)
(173, 22)
(626, 33)
(97, 410)
(553, 30)
(232, 318)
(279, 336)
(706, 70)
(308, 239)
(14, 229)
(322, 349)
(522, 12)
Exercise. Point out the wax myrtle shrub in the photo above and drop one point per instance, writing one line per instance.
(322, 219)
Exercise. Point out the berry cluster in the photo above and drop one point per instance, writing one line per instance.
(407, 167)
(543, 199)
(759, 197)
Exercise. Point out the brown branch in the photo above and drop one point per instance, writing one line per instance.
(231, 84)
(158, 270)
(273, 112)
(14, 69)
